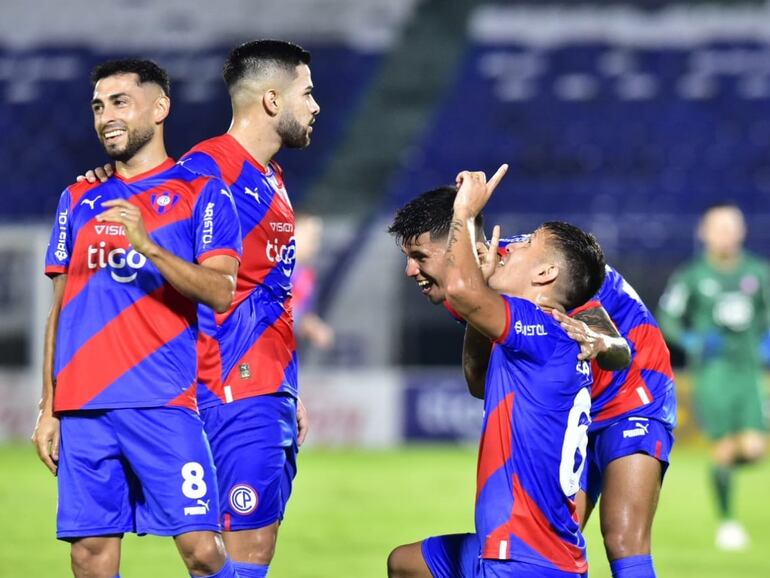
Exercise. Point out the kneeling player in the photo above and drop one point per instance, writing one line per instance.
(537, 402)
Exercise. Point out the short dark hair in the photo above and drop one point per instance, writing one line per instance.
(146, 70)
(584, 260)
(431, 212)
(255, 57)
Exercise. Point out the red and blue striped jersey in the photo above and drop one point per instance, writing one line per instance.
(126, 337)
(250, 350)
(645, 388)
(533, 443)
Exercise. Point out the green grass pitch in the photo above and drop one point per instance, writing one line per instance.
(351, 507)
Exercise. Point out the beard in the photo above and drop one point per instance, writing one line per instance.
(137, 138)
(293, 134)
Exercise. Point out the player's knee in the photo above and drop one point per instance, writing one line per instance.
(625, 542)
(399, 563)
(203, 555)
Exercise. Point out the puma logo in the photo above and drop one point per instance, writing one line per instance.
(251, 193)
(90, 202)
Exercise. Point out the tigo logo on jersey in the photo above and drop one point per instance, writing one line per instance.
(529, 330)
(243, 499)
(163, 202)
(117, 260)
(282, 254)
(61, 241)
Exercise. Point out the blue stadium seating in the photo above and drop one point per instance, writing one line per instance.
(47, 127)
(633, 143)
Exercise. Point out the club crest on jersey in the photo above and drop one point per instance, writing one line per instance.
(244, 369)
(243, 499)
(164, 202)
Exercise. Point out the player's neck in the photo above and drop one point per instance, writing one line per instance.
(151, 155)
(261, 142)
(724, 262)
(546, 302)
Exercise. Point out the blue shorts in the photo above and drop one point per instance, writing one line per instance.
(145, 470)
(254, 443)
(621, 438)
(452, 555)
(457, 556)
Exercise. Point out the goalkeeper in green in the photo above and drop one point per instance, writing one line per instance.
(717, 309)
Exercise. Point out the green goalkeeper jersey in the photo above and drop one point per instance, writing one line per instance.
(708, 311)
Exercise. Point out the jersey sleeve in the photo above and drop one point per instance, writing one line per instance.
(57, 256)
(217, 228)
(201, 163)
(527, 330)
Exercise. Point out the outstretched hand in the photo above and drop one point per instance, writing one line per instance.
(474, 190)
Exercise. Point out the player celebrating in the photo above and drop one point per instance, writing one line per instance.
(129, 259)
(537, 402)
(637, 398)
(716, 308)
(248, 374)
(248, 354)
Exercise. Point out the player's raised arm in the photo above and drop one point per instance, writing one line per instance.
(467, 290)
(46, 435)
(597, 336)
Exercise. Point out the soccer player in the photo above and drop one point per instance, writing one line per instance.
(309, 325)
(129, 260)
(716, 308)
(248, 363)
(633, 409)
(247, 387)
(536, 404)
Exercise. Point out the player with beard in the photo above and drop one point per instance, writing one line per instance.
(247, 389)
(129, 260)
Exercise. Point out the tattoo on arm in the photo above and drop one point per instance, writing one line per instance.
(454, 230)
(597, 319)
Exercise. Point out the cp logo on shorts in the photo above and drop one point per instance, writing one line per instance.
(243, 499)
